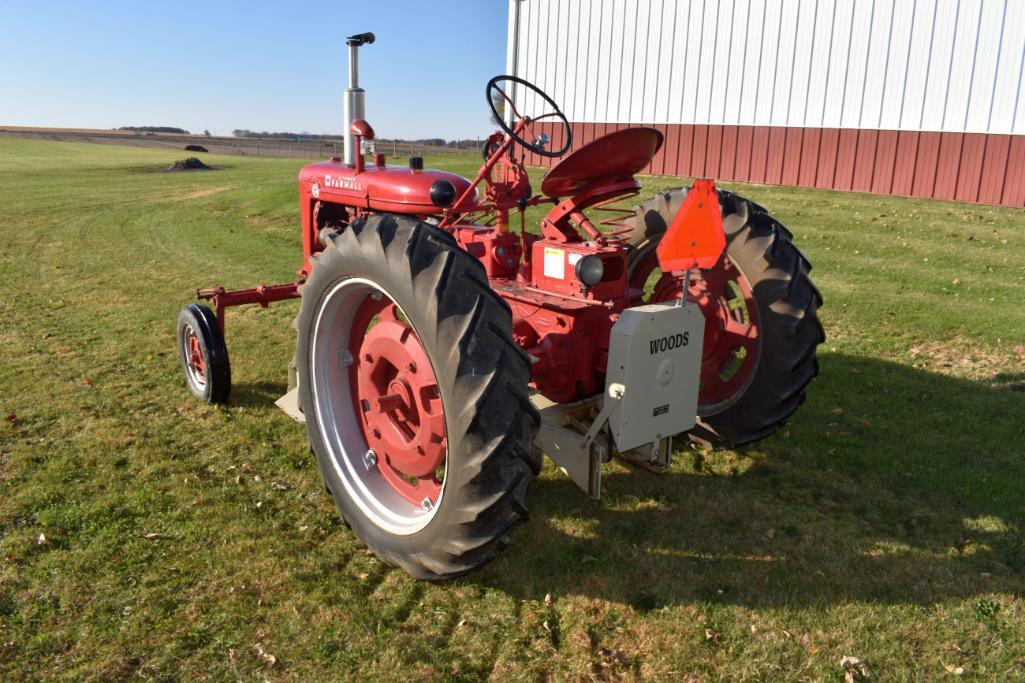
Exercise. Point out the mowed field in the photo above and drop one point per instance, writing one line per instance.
(143, 533)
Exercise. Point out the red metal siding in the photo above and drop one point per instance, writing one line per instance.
(745, 145)
(865, 160)
(774, 159)
(759, 154)
(658, 164)
(1014, 180)
(793, 153)
(994, 168)
(728, 160)
(698, 146)
(948, 162)
(558, 137)
(885, 161)
(672, 151)
(971, 167)
(809, 167)
(846, 155)
(829, 148)
(583, 134)
(905, 162)
(713, 152)
(925, 164)
(972, 150)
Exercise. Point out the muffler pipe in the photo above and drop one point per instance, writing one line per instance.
(353, 102)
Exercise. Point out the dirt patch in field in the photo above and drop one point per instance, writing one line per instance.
(186, 194)
(190, 164)
(205, 192)
(1003, 367)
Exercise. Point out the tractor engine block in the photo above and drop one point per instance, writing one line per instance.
(567, 339)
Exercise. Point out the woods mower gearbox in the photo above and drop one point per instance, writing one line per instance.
(443, 348)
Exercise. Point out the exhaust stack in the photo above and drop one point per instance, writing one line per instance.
(352, 106)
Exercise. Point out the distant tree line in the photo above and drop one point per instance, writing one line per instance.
(296, 137)
(436, 142)
(155, 129)
(305, 137)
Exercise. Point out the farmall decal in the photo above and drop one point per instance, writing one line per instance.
(342, 183)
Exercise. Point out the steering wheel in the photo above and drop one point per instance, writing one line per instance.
(537, 147)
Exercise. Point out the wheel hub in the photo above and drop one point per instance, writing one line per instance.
(195, 356)
(400, 406)
(375, 400)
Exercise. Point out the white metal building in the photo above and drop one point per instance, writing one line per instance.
(908, 97)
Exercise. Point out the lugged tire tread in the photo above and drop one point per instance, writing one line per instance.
(764, 249)
(489, 409)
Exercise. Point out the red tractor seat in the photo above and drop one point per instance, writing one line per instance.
(610, 158)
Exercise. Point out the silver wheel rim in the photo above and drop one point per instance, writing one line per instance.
(188, 333)
(336, 419)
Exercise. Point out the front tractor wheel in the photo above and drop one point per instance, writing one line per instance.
(203, 354)
(761, 317)
(415, 396)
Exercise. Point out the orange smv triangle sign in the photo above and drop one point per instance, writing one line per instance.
(695, 238)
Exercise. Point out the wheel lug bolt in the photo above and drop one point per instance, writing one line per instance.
(368, 358)
(420, 450)
(388, 403)
(411, 367)
(376, 432)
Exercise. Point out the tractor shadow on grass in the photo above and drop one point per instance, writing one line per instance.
(257, 394)
(890, 485)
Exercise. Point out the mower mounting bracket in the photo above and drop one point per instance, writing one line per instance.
(290, 404)
(579, 459)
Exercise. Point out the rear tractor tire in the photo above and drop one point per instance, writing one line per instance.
(761, 317)
(415, 396)
(203, 354)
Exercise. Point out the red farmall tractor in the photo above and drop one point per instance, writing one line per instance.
(443, 349)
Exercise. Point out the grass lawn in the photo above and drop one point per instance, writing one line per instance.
(144, 533)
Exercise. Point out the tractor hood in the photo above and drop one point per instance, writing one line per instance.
(398, 189)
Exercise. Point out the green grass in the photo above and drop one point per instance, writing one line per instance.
(885, 522)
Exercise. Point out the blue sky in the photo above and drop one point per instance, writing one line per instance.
(257, 65)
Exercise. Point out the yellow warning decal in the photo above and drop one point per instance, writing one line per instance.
(555, 263)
